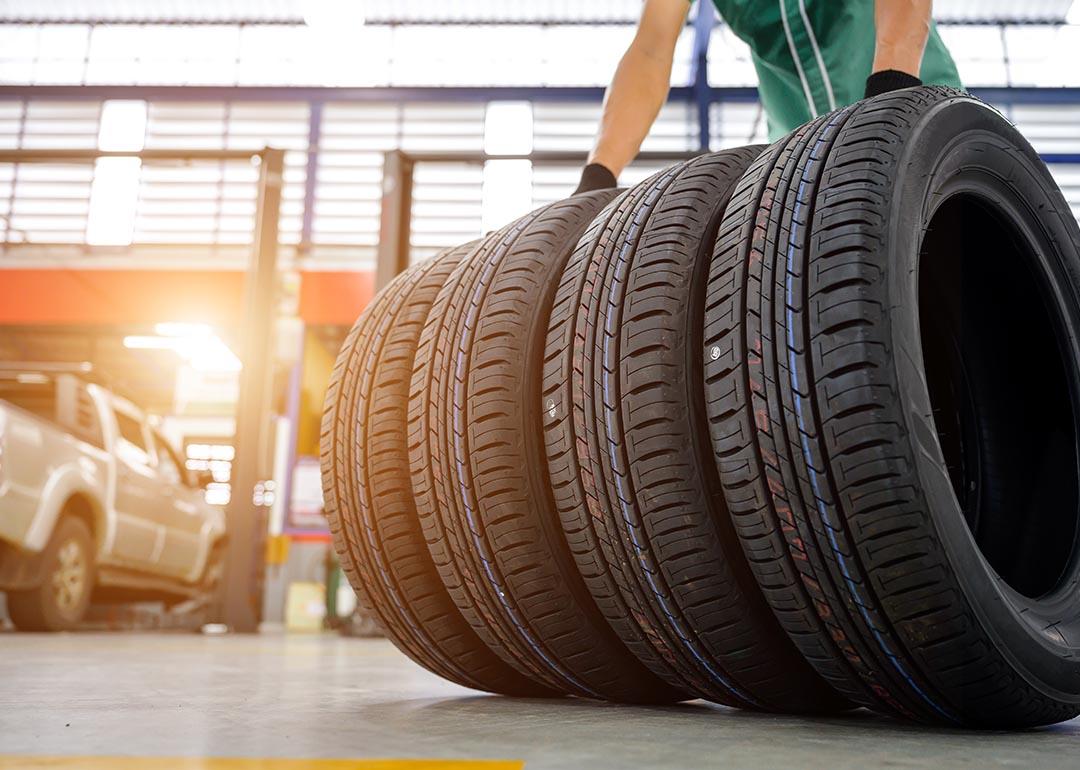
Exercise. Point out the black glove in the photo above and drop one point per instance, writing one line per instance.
(889, 80)
(595, 177)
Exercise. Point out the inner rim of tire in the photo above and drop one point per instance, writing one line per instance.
(1003, 398)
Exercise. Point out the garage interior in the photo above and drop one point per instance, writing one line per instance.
(197, 200)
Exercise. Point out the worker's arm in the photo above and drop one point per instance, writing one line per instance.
(637, 92)
(901, 31)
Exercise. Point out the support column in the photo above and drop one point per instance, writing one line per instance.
(395, 219)
(244, 520)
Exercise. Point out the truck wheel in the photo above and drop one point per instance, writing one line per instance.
(59, 602)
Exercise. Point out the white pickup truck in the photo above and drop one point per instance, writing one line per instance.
(94, 500)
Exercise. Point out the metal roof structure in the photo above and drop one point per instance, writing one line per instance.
(439, 11)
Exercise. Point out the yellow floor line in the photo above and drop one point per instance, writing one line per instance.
(253, 763)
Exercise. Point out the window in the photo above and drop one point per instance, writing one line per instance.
(218, 459)
(131, 431)
(82, 418)
(168, 465)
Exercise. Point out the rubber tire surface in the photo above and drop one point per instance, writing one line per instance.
(821, 421)
(629, 453)
(478, 469)
(368, 493)
(35, 609)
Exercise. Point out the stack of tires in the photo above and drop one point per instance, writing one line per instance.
(790, 428)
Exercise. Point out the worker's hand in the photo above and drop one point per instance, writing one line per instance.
(889, 80)
(595, 177)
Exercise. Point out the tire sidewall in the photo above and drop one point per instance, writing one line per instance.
(930, 163)
(54, 619)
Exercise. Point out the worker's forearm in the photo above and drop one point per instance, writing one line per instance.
(902, 28)
(637, 92)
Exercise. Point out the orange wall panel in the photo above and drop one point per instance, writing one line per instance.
(119, 296)
(125, 297)
(334, 297)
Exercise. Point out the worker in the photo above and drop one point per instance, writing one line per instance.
(811, 57)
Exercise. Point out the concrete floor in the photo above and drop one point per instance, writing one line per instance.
(312, 697)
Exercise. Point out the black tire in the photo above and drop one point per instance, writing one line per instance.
(478, 464)
(368, 495)
(895, 312)
(630, 457)
(49, 606)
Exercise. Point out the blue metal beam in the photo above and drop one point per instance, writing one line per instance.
(311, 179)
(699, 79)
(1051, 158)
(1028, 95)
(1018, 95)
(588, 94)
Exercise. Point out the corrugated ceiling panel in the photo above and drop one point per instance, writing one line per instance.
(47, 203)
(446, 197)
(565, 127)
(1043, 56)
(348, 186)
(433, 55)
(1050, 128)
(215, 202)
(442, 127)
(729, 60)
(979, 54)
(573, 126)
(212, 203)
(736, 124)
(447, 206)
(57, 125)
(460, 11)
(1068, 177)
(503, 11)
(279, 11)
(1001, 10)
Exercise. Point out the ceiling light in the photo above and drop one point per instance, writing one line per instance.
(334, 16)
(195, 344)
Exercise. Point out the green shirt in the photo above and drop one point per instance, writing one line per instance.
(813, 56)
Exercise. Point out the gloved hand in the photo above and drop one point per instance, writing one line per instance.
(595, 177)
(889, 80)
